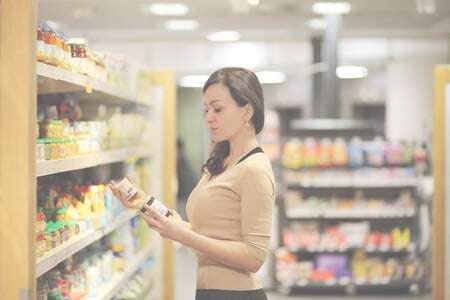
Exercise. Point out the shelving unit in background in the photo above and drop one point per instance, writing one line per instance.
(324, 208)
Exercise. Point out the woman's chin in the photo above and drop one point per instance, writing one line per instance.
(217, 139)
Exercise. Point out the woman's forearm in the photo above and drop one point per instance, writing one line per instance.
(234, 254)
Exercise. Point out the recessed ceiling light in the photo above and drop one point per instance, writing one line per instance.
(331, 8)
(193, 81)
(166, 9)
(426, 6)
(351, 72)
(224, 36)
(268, 77)
(317, 24)
(181, 25)
(253, 2)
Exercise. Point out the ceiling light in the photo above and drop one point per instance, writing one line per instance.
(253, 2)
(181, 25)
(267, 77)
(166, 9)
(351, 72)
(317, 24)
(224, 36)
(331, 8)
(426, 6)
(193, 81)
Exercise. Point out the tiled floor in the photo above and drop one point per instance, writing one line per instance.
(185, 284)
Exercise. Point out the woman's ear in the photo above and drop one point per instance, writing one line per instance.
(249, 111)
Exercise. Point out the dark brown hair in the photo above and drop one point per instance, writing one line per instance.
(244, 88)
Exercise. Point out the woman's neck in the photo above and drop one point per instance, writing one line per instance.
(241, 144)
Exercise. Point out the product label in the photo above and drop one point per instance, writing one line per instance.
(161, 208)
(156, 205)
(127, 189)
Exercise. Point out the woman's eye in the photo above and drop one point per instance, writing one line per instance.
(217, 110)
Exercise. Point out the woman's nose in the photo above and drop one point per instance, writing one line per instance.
(209, 117)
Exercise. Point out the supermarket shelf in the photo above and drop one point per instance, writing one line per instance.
(304, 213)
(350, 167)
(349, 250)
(75, 244)
(120, 281)
(48, 167)
(331, 124)
(56, 80)
(336, 182)
(345, 282)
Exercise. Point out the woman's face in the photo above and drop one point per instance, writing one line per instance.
(223, 116)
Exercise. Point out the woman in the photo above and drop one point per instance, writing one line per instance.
(230, 209)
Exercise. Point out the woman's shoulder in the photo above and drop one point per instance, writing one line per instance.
(257, 173)
(256, 164)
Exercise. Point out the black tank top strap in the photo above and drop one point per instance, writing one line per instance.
(254, 151)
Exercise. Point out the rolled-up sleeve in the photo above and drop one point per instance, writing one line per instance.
(257, 202)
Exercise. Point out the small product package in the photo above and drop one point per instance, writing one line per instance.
(127, 189)
(157, 205)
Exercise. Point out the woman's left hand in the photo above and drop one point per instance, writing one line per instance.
(172, 227)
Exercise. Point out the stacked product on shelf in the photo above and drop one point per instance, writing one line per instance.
(339, 269)
(73, 54)
(65, 210)
(328, 153)
(356, 206)
(351, 213)
(89, 272)
(307, 236)
(140, 285)
(63, 134)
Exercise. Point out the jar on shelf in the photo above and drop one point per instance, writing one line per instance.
(60, 44)
(40, 223)
(54, 149)
(45, 33)
(78, 55)
(47, 149)
(62, 148)
(40, 149)
(41, 246)
(48, 239)
(54, 236)
(67, 53)
(52, 45)
(40, 46)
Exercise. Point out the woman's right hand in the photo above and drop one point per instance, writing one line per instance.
(136, 202)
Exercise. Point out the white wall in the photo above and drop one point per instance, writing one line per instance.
(410, 78)
(372, 88)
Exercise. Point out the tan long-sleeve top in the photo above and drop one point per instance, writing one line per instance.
(236, 205)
